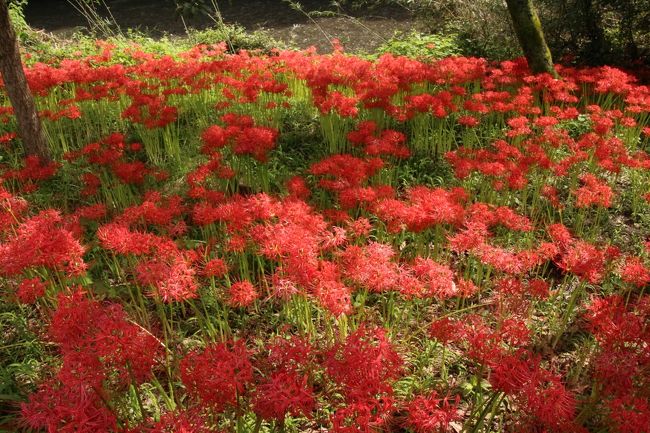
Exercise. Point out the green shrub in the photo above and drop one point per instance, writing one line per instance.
(458, 27)
(236, 36)
(593, 32)
(419, 45)
(17, 16)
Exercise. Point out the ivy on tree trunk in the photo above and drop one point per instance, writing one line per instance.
(531, 37)
(15, 85)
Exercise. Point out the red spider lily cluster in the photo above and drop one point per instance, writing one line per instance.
(303, 242)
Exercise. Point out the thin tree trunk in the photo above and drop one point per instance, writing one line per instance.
(598, 49)
(627, 30)
(531, 37)
(15, 84)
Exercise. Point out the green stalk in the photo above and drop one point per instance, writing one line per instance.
(568, 312)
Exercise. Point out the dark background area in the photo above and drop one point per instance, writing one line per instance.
(357, 29)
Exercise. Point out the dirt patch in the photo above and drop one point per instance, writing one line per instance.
(361, 30)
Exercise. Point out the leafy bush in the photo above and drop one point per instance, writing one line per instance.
(419, 45)
(17, 16)
(235, 36)
(482, 27)
(590, 32)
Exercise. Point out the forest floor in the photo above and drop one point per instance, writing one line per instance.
(358, 31)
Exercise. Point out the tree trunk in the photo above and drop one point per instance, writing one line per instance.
(597, 44)
(531, 37)
(15, 84)
(627, 31)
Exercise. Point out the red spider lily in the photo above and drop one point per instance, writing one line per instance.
(365, 416)
(242, 294)
(430, 413)
(389, 142)
(539, 288)
(471, 237)
(560, 234)
(295, 241)
(106, 339)
(291, 354)
(297, 187)
(438, 279)
(513, 263)
(576, 256)
(446, 330)
(551, 194)
(91, 212)
(255, 141)
(513, 372)
(154, 210)
(360, 227)
(424, 208)
(92, 183)
(635, 272)
(40, 241)
(364, 365)
(365, 235)
(507, 165)
(584, 260)
(593, 192)
(171, 277)
(371, 267)
(217, 375)
(105, 152)
(549, 402)
(11, 209)
(439, 104)
(346, 170)
(34, 170)
(283, 288)
(67, 408)
(246, 138)
(215, 268)
(197, 179)
(120, 239)
(149, 110)
(484, 343)
(630, 415)
(334, 239)
(468, 121)
(30, 290)
(622, 336)
(364, 197)
(284, 393)
(214, 137)
(331, 293)
(130, 172)
(7, 137)
(518, 126)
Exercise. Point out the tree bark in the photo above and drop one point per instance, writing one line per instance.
(531, 37)
(15, 84)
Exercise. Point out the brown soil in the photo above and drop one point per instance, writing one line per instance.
(361, 30)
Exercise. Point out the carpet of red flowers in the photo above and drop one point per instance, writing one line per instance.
(299, 242)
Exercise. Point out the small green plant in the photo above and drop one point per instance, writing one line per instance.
(235, 36)
(192, 8)
(420, 45)
(17, 16)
